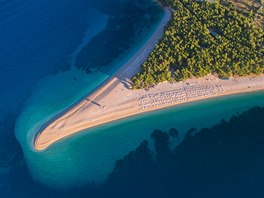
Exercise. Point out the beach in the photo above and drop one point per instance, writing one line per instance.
(115, 100)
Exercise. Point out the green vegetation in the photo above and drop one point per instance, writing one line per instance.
(253, 6)
(204, 38)
(246, 5)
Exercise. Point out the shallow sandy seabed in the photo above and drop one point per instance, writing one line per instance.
(114, 100)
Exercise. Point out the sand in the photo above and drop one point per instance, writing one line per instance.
(114, 100)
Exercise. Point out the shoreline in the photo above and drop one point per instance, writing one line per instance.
(176, 105)
(157, 34)
(131, 109)
(113, 100)
(120, 62)
(170, 106)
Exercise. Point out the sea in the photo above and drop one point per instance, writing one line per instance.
(52, 53)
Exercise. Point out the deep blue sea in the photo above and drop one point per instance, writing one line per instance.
(51, 54)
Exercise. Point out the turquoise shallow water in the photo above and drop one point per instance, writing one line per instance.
(90, 155)
(40, 42)
(56, 92)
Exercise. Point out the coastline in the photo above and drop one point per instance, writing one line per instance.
(113, 100)
(86, 84)
(158, 32)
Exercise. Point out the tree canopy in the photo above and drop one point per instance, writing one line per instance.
(204, 38)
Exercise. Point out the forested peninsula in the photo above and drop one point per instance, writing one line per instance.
(204, 38)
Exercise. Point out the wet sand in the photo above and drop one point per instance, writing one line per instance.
(114, 100)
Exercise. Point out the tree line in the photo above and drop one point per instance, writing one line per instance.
(204, 38)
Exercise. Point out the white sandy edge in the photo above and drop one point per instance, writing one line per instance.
(114, 100)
